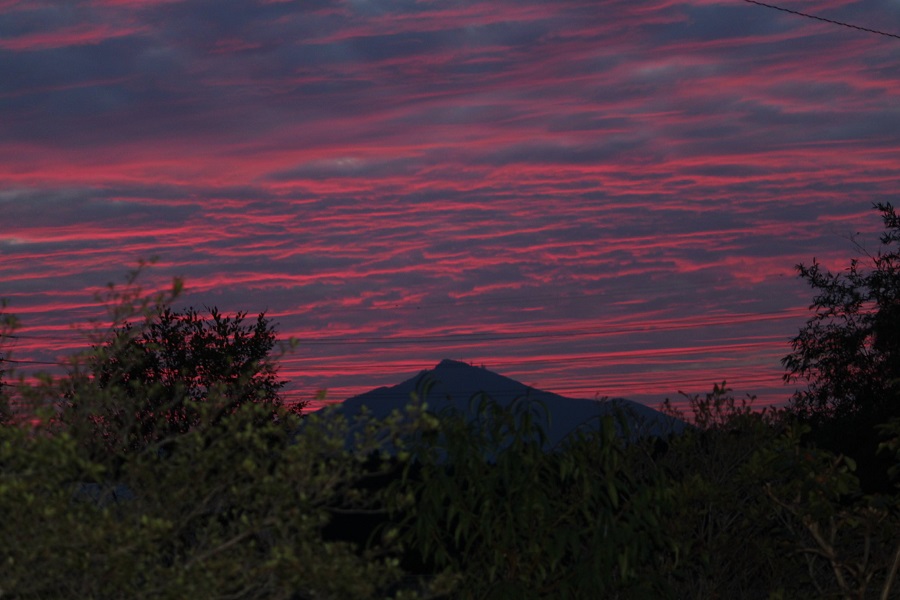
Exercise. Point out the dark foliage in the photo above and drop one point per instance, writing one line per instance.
(146, 384)
(230, 495)
(8, 324)
(848, 353)
(5, 408)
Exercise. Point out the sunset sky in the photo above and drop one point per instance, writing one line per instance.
(597, 198)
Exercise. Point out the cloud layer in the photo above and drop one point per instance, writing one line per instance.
(596, 198)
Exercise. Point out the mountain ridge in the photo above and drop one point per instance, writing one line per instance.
(453, 384)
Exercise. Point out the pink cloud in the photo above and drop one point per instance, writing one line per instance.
(77, 35)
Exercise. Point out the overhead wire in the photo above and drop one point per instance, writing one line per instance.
(831, 21)
(484, 337)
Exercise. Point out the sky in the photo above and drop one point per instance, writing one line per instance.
(596, 198)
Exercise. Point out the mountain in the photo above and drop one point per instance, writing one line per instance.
(454, 384)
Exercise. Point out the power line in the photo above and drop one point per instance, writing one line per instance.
(832, 21)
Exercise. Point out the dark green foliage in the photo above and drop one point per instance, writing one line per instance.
(237, 512)
(173, 471)
(847, 542)
(758, 513)
(503, 518)
(737, 508)
(721, 536)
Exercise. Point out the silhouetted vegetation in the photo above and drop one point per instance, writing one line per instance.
(165, 465)
(149, 383)
(848, 353)
(8, 324)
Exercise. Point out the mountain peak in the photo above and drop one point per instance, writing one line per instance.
(452, 384)
(449, 363)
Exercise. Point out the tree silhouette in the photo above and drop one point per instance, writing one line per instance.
(172, 374)
(8, 324)
(848, 352)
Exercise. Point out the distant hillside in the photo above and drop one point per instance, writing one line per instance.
(454, 384)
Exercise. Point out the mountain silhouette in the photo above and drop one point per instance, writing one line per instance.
(454, 385)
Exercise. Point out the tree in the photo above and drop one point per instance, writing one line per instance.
(8, 324)
(239, 511)
(848, 352)
(847, 542)
(498, 515)
(231, 504)
(146, 383)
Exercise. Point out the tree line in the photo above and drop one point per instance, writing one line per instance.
(165, 464)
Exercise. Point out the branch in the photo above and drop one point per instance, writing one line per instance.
(220, 548)
(828, 551)
(356, 511)
(889, 581)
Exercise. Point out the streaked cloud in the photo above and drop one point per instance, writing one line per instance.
(594, 197)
